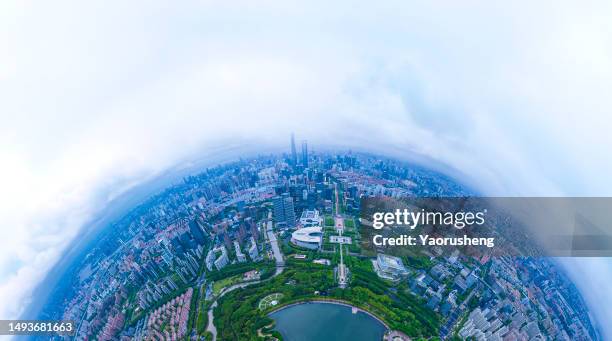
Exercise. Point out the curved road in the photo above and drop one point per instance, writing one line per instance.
(280, 265)
(211, 325)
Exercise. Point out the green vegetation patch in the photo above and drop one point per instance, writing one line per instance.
(329, 221)
(226, 282)
(270, 301)
(239, 317)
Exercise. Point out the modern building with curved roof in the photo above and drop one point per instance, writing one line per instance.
(308, 237)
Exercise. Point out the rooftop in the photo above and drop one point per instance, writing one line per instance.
(308, 234)
(390, 261)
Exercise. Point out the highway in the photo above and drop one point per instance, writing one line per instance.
(278, 256)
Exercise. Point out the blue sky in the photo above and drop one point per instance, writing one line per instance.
(96, 97)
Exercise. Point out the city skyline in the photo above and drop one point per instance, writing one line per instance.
(172, 250)
(100, 100)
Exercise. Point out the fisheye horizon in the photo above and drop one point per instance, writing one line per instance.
(171, 177)
(135, 194)
(105, 103)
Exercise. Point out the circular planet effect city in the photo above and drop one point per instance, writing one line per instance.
(218, 256)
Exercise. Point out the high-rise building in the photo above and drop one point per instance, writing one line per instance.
(284, 212)
(279, 211)
(289, 210)
(196, 232)
(253, 253)
(241, 234)
(254, 231)
(167, 256)
(239, 255)
(223, 260)
(305, 153)
(210, 260)
(293, 152)
(217, 257)
(227, 240)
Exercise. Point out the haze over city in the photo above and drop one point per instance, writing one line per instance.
(510, 99)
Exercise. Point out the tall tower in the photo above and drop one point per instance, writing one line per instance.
(304, 153)
(293, 152)
(196, 232)
(279, 209)
(289, 210)
(284, 211)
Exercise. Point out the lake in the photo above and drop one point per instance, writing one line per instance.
(326, 321)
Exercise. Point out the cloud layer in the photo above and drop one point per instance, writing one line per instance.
(96, 97)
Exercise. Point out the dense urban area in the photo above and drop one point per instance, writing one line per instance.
(211, 257)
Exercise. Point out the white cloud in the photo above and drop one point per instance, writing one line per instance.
(95, 96)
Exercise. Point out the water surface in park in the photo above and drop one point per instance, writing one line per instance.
(326, 321)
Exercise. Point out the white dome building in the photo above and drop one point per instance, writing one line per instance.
(308, 237)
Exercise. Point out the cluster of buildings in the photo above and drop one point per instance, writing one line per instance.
(163, 247)
(217, 257)
(168, 322)
(501, 299)
(217, 218)
(112, 327)
(486, 325)
(528, 290)
(153, 292)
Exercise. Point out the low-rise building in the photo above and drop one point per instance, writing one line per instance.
(308, 237)
(340, 240)
(389, 267)
(310, 218)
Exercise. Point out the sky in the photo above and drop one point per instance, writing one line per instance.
(98, 96)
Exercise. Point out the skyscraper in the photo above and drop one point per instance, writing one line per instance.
(254, 231)
(284, 212)
(293, 152)
(289, 210)
(304, 153)
(279, 211)
(196, 232)
(253, 253)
